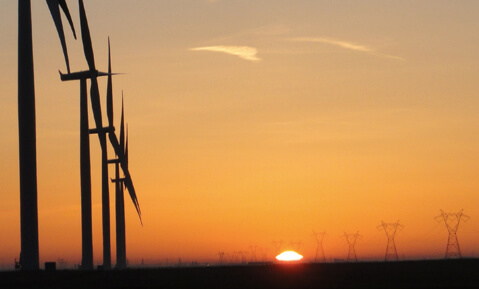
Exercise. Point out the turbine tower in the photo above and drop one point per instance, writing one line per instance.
(319, 236)
(452, 220)
(351, 239)
(390, 229)
(85, 165)
(85, 170)
(29, 255)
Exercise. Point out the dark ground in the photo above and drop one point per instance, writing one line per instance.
(462, 273)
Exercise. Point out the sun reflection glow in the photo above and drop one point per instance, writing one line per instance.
(289, 256)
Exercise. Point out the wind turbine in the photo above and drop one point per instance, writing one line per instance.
(119, 182)
(101, 131)
(29, 256)
(85, 166)
(119, 199)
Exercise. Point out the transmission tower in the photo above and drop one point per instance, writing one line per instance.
(452, 221)
(390, 229)
(243, 255)
(234, 257)
(263, 253)
(351, 239)
(277, 247)
(319, 236)
(221, 254)
(296, 245)
(253, 253)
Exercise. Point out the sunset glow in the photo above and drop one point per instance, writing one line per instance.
(251, 122)
(289, 256)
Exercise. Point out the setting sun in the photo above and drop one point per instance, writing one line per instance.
(289, 256)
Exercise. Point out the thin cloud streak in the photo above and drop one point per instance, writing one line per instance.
(243, 52)
(345, 45)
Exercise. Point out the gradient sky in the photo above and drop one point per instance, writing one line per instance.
(253, 121)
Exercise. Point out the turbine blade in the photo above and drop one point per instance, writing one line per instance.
(109, 90)
(95, 103)
(88, 50)
(86, 38)
(128, 182)
(53, 5)
(64, 7)
(122, 125)
(126, 146)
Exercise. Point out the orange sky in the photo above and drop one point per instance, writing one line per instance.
(253, 121)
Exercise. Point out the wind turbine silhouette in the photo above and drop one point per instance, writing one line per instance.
(85, 166)
(119, 197)
(101, 131)
(29, 255)
(119, 182)
(92, 74)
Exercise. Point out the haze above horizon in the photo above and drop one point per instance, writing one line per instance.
(253, 121)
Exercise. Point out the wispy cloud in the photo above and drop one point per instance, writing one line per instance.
(243, 52)
(342, 44)
(345, 45)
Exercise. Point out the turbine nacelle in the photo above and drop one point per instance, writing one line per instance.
(106, 129)
(120, 180)
(86, 74)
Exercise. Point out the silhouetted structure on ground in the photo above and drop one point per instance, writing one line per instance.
(119, 148)
(119, 182)
(391, 229)
(221, 256)
(119, 190)
(101, 132)
(352, 239)
(452, 220)
(85, 168)
(277, 247)
(319, 237)
(296, 246)
(29, 256)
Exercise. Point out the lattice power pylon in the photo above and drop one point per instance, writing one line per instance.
(243, 255)
(221, 254)
(452, 221)
(391, 229)
(319, 236)
(277, 246)
(253, 253)
(351, 239)
(296, 246)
